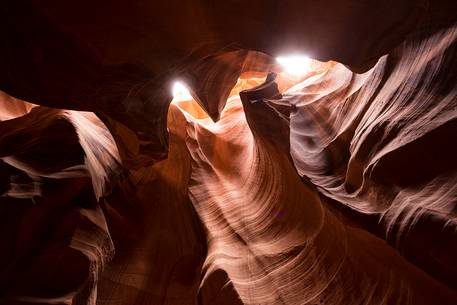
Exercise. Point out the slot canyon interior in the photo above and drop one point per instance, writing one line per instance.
(228, 152)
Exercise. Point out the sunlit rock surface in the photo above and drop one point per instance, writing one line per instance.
(336, 186)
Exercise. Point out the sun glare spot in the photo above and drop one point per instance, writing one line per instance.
(180, 92)
(295, 65)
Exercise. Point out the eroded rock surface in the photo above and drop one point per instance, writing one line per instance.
(335, 187)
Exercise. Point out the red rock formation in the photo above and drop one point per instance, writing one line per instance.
(335, 187)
